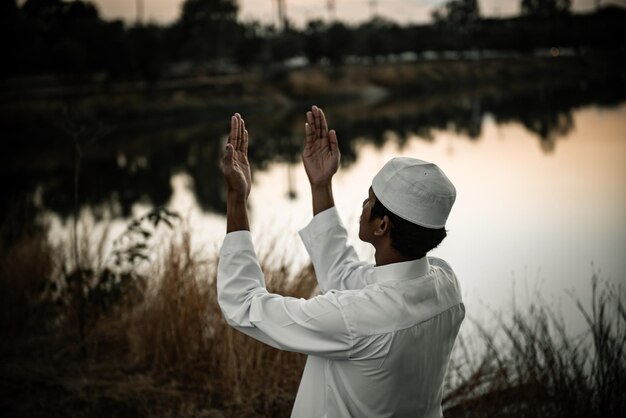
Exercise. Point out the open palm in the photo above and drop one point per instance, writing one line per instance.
(321, 152)
(235, 166)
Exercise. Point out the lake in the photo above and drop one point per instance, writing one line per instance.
(537, 211)
(526, 222)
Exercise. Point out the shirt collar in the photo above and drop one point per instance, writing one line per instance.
(401, 271)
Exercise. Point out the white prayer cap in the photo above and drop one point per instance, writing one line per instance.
(415, 190)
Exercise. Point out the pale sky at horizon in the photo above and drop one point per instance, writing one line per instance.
(301, 11)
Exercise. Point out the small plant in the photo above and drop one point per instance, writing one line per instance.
(92, 288)
(120, 280)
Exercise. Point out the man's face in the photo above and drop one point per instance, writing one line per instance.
(366, 226)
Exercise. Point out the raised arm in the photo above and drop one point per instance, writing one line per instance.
(336, 263)
(315, 326)
(321, 159)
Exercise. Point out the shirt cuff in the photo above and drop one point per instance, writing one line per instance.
(237, 241)
(320, 223)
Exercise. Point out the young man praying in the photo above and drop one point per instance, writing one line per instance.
(378, 337)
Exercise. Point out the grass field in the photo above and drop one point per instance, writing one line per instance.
(83, 336)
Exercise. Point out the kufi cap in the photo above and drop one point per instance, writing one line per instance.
(415, 190)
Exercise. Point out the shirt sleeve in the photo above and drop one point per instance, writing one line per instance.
(316, 326)
(337, 265)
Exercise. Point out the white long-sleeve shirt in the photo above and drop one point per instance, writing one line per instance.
(378, 338)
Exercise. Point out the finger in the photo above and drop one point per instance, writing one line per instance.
(242, 133)
(244, 146)
(324, 126)
(332, 141)
(311, 121)
(318, 124)
(233, 130)
(238, 132)
(309, 133)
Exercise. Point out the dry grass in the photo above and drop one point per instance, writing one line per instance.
(529, 366)
(170, 353)
(27, 261)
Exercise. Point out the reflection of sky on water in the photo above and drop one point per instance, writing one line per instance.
(522, 216)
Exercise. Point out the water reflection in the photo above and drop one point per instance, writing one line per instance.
(523, 220)
(136, 159)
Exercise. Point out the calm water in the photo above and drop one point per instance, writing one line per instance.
(525, 221)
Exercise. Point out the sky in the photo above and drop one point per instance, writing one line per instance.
(301, 11)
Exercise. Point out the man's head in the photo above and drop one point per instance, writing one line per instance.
(410, 201)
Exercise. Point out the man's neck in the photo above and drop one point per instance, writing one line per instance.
(388, 255)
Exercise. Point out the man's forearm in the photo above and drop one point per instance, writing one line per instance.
(236, 213)
(322, 197)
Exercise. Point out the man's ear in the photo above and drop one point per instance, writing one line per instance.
(383, 227)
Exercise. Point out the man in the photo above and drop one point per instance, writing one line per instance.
(379, 337)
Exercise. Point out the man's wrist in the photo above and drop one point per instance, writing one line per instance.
(236, 212)
(321, 186)
(235, 197)
(322, 194)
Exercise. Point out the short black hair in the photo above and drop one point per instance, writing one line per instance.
(409, 239)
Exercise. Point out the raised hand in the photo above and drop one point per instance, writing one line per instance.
(321, 152)
(235, 165)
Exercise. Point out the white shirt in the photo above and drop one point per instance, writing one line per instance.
(378, 338)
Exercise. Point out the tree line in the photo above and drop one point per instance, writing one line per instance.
(71, 38)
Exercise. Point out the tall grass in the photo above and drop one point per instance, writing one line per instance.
(170, 353)
(530, 366)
